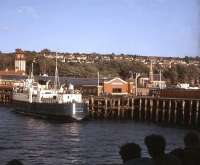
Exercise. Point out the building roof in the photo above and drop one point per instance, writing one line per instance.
(75, 81)
(13, 77)
(11, 72)
(116, 80)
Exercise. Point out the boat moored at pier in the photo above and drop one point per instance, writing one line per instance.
(44, 100)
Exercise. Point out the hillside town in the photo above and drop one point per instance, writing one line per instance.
(134, 83)
(90, 58)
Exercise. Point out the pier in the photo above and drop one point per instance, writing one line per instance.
(5, 94)
(177, 111)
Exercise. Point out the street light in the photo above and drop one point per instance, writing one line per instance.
(136, 77)
(160, 85)
(131, 78)
(131, 73)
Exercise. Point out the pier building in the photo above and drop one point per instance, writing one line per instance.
(117, 86)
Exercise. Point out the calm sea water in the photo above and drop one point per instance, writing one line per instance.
(38, 142)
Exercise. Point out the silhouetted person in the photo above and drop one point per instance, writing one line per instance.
(156, 147)
(14, 162)
(192, 149)
(131, 155)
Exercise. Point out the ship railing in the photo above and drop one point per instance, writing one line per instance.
(49, 100)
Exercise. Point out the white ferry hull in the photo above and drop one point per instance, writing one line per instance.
(65, 111)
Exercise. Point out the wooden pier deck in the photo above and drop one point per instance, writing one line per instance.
(178, 111)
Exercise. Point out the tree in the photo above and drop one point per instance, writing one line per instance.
(45, 51)
(171, 75)
(182, 73)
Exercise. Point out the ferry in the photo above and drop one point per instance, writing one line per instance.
(40, 99)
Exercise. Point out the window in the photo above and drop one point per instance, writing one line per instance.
(116, 90)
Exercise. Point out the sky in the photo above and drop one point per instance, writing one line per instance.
(144, 27)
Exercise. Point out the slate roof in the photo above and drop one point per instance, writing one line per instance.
(74, 81)
(63, 80)
(13, 77)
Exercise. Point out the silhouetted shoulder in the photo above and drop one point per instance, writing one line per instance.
(179, 153)
(167, 159)
(139, 161)
(14, 162)
(191, 156)
(192, 149)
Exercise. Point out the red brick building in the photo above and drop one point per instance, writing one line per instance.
(117, 86)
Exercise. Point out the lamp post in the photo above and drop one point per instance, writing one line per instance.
(32, 65)
(136, 77)
(98, 84)
(131, 77)
(160, 86)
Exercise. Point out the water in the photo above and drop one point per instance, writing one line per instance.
(38, 142)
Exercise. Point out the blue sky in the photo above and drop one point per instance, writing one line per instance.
(146, 27)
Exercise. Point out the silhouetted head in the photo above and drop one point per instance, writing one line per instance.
(155, 144)
(130, 151)
(14, 162)
(191, 139)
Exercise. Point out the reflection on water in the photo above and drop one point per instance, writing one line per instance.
(37, 141)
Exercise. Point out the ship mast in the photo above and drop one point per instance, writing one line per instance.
(32, 77)
(56, 80)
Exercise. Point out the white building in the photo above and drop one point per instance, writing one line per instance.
(20, 62)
